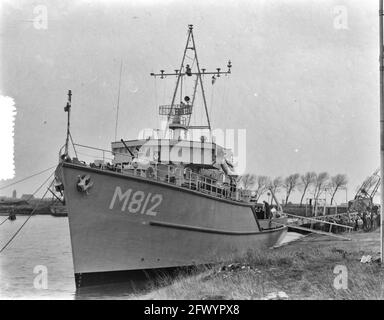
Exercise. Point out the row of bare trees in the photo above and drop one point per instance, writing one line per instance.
(308, 183)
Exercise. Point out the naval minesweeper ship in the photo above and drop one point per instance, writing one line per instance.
(159, 203)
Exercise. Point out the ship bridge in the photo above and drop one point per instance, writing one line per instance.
(165, 151)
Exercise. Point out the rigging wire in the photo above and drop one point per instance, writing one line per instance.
(73, 145)
(201, 117)
(163, 99)
(193, 62)
(188, 57)
(31, 214)
(118, 99)
(31, 176)
(92, 156)
(181, 89)
(224, 96)
(155, 92)
(194, 109)
(211, 104)
(164, 90)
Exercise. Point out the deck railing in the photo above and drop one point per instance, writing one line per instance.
(183, 177)
(177, 110)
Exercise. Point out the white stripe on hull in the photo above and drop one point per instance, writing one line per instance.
(106, 238)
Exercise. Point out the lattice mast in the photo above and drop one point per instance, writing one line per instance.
(370, 186)
(179, 115)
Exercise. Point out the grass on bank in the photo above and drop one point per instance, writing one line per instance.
(303, 270)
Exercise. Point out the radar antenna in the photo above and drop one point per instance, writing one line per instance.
(179, 115)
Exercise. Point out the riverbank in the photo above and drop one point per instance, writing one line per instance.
(37, 206)
(302, 269)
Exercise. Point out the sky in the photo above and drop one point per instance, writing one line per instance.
(304, 82)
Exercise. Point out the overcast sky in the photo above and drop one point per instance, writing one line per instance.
(304, 83)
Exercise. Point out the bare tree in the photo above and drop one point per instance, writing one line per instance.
(307, 181)
(337, 182)
(290, 184)
(247, 181)
(261, 186)
(275, 186)
(320, 183)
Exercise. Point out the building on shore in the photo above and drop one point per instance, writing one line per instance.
(27, 197)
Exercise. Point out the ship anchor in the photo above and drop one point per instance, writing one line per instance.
(84, 183)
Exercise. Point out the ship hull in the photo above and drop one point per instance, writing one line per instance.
(124, 224)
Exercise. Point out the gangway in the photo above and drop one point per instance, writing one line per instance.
(304, 220)
(336, 215)
(312, 220)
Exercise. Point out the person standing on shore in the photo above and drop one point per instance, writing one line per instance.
(267, 210)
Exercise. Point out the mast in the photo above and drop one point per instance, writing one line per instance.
(179, 115)
(67, 109)
(381, 130)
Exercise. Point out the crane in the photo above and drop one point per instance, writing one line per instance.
(363, 201)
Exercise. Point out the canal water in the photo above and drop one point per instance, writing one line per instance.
(43, 247)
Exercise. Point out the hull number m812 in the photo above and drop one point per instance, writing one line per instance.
(136, 201)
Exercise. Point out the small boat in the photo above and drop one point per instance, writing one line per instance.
(12, 215)
(58, 210)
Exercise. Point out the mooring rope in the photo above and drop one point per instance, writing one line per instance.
(32, 212)
(35, 174)
(31, 176)
(3, 221)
